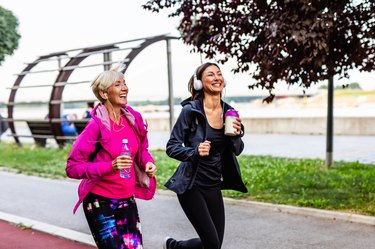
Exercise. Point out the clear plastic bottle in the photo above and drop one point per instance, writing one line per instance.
(125, 150)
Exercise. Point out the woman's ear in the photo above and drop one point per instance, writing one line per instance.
(103, 95)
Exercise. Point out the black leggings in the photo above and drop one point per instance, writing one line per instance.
(204, 207)
(114, 223)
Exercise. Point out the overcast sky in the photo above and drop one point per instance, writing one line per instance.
(51, 26)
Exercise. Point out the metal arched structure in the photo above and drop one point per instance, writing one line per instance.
(73, 63)
(57, 90)
(16, 86)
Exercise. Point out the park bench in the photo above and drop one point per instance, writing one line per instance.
(41, 130)
(80, 125)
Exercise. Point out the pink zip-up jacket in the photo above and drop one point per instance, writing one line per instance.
(89, 163)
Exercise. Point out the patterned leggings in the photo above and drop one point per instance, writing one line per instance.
(114, 223)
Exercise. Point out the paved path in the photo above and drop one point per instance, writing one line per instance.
(247, 227)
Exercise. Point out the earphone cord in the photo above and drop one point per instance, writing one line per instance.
(223, 99)
(114, 113)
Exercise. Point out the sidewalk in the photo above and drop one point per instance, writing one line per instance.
(15, 237)
(46, 206)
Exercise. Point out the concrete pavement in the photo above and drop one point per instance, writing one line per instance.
(47, 204)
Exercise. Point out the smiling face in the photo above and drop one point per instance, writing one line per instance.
(117, 93)
(212, 80)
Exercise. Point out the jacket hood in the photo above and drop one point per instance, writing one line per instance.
(186, 101)
(100, 113)
(198, 104)
(195, 104)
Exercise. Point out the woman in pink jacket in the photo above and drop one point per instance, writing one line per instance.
(108, 199)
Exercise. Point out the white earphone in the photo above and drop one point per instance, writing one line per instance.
(197, 84)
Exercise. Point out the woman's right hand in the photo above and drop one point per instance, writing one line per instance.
(122, 162)
(204, 148)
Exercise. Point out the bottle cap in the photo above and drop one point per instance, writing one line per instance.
(232, 112)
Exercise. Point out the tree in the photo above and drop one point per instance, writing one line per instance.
(354, 85)
(8, 33)
(296, 41)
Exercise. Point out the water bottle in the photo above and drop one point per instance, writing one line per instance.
(125, 151)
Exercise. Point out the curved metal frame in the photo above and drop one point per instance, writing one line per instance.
(57, 91)
(12, 95)
(63, 76)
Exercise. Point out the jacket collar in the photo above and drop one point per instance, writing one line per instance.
(197, 104)
(101, 116)
(100, 112)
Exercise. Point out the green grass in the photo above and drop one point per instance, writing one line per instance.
(346, 186)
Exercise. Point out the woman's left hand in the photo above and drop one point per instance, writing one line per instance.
(237, 126)
(150, 169)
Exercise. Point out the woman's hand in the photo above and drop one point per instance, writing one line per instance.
(237, 126)
(204, 148)
(122, 162)
(150, 169)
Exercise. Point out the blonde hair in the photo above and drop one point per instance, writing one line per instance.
(104, 80)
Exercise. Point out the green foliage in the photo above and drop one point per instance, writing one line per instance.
(8, 33)
(34, 160)
(299, 42)
(346, 186)
(351, 86)
(23, 226)
(306, 182)
(354, 85)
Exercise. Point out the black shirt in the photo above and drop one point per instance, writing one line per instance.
(209, 167)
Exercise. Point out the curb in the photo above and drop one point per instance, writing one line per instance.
(49, 229)
(312, 212)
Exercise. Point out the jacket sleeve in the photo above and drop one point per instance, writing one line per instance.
(144, 155)
(177, 145)
(78, 164)
(237, 143)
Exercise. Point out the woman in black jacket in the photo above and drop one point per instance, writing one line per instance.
(208, 159)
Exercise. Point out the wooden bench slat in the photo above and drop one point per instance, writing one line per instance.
(42, 130)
